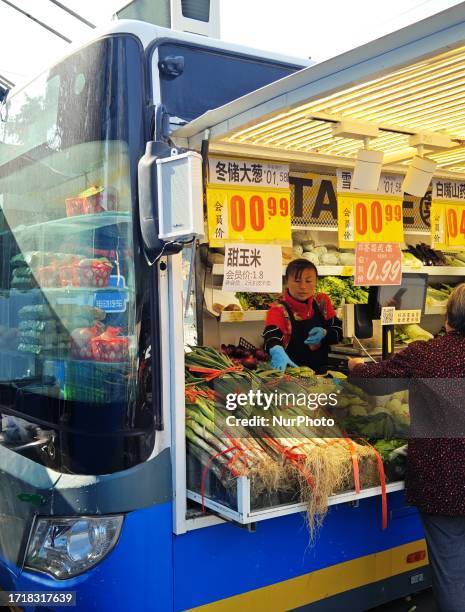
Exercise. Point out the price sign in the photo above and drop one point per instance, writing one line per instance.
(245, 173)
(391, 316)
(369, 218)
(455, 222)
(248, 215)
(254, 268)
(378, 264)
(406, 317)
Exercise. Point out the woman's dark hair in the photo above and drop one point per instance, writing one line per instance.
(297, 266)
(456, 309)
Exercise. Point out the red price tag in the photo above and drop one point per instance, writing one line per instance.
(378, 263)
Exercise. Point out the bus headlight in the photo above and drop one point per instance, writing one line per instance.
(66, 547)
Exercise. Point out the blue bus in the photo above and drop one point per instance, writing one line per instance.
(92, 474)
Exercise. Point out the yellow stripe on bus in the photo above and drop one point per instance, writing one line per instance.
(323, 583)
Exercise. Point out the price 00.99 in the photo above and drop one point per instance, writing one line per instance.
(387, 271)
(253, 212)
(372, 216)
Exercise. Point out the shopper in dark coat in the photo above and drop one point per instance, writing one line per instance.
(434, 373)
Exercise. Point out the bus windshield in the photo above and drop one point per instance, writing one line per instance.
(68, 341)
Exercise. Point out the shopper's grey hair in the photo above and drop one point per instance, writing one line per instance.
(456, 309)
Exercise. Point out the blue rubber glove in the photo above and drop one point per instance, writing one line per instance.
(280, 359)
(315, 336)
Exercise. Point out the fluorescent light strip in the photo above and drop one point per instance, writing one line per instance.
(393, 89)
(299, 132)
(389, 82)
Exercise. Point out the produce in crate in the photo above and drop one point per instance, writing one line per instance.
(249, 358)
(306, 463)
(342, 291)
(94, 272)
(256, 301)
(110, 346)
(410, 333)
(81, 347)
(92, 201)
(409, 260)
(438, 295)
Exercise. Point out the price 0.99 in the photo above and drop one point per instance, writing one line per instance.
(254, 211)
(384, 271)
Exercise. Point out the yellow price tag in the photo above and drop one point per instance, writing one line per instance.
(245, 214)
(438, 225)
(369, 218)
(455, 222)
(407, 317)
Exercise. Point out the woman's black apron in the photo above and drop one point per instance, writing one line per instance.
(300, 352)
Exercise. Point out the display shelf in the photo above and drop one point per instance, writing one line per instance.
(236, 316)
(245, 515)
(218, 270)
(79, 222)
(71, 289)
(66, 359)
(443, 270)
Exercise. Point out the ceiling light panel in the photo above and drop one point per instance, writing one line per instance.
(425, 97)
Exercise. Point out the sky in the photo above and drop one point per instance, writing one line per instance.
(302, 28)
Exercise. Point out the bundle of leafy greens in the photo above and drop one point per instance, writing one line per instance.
(342, 291)
(256, 301)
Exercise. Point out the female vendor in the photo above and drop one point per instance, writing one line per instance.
(301, 326)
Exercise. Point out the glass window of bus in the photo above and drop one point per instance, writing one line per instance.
(68, 333)
(211, 78)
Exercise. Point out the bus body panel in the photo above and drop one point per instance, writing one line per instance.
(219, 562)
(136, 575)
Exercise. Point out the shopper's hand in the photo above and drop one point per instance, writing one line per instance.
(315, 336)
(354, 361)
(280, 359)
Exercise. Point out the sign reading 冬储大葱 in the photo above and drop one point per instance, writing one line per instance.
(248, 202)
(253, 267)
(245, 173)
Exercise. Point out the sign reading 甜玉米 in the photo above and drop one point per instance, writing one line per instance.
(253, 267)
(248, 201)
(448, 214)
